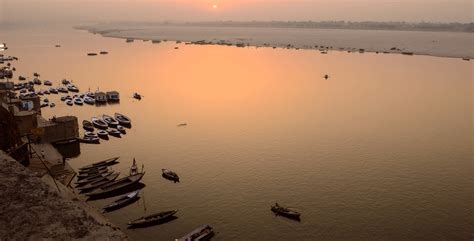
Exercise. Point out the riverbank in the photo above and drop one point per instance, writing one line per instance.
(34, 209)
(438, 44)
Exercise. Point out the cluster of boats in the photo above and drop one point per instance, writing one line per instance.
(106, 125)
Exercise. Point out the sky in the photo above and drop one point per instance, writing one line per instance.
(238, 10)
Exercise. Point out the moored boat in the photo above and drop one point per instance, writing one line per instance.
(99, 123)
(121, 129)
(110, 120)
(156, 218)
(202, 233)
(90, 140)
(87, 125)
(90, 175)
(122, 119)
(69, 102)
(137, 96)
(97, 178)
(89, 100)
(103, 134)
(116, 185)
(78, 101)
(168, 174)
(125, 200)
(286, 212)
(95, 184)
(104, 163)
(114, 132)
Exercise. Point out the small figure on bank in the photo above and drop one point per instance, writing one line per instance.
(133, 169)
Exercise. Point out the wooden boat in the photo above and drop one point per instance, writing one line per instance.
(103, 134)
(152, 219)
(117, 185)
(121, 129)
(114, 132)
(66, 142)
(279, 210)
(110, 120)
(95, 184)
(48, 83)
(94, 170)
(168, 174)
(89, 175)
(78, 101)
(202, 233)
(103, 52)
(69, 102)
(87, 125)
(137, 96)
(122, 119)
(123, 201)
(89, 180)
(99, 123)
(90, 134)
(104, 163)
(89, 100)
(90, 140)
(91, 54)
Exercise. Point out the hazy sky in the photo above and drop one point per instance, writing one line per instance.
(200, 10)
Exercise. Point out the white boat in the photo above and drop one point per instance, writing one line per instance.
(89, 100)
(110, 120)
(122, 119)
(137, 96)
(72, 88)
(102, 134)
(78, 101)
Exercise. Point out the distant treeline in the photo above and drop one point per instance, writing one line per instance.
(369, 25)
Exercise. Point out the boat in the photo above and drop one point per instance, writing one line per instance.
(66, 142)
(69, 102)
(103, 134)
(93, 170)
(100, 97)
(21, 78)
(99, 123)
(112, 96)
(52, 105)
(123, 201)
(78, 101)
(72, 88)
(43, 105)
(89, 100)
(90, 175)
(46, 100)
(326, 76)
(286, 212)
(183, 124)
(104, 52)
(37, 81)
(90, 140)
(47, 82)
(46, 92)
(152, 219)
(90, 134)
(104, 163)
(114, 132)
(65, 82)
(63, 90)
(121, 129)
(122, 119)
(95, 184)
(91, 54)
(137, 96)
(110, 120)
(204, 232)
(97, 178)
(168, 174)
(116, 185)
(87, 125)
(53, 90)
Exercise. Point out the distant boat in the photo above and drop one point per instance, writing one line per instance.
(99, 123)
(114, 132)
(95, 184)
(156, 218)
(103, 134)
(52, 105)
(69, 102)
(113, 96)
(326, 76)
(65, 82)
(90, 134)
(182, 124)
(121, 129)
(90, 140)
(286, 212)
(104, 52)
(204, 232)
(117, 185)
(78, 101)
(72, 88)
(21, 78)
(466, 59)
(93, 179)
(58, 46)
(47, 82)
(110, 120)
(89, 100)
(53, 90)
(137, 96)
(37, 81)
(123, 201)
(91, 54)
(87, 125)
(168, 174)
(122, 119)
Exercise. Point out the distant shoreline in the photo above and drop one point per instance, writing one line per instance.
(437, 44)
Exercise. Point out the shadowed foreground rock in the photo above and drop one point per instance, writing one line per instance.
(31, 209)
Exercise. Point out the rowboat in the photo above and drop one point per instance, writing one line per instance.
(95, 184)
(110, 120)
(202, 233)
(168, 174)
(87, 125)
(93, 170)
(116, 185)
(89, 175)
(114, 132)
(108, 162)
(123, 201)
(89, 180)
(90, 140)
(99, 123)
(153, 219)
(286, 212)
(122, 119)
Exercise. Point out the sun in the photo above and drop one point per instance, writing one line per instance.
(214, 6)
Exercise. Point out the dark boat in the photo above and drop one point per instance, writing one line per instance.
(114, 132)
(122, 119)
(90, 140)
(205, 232)
(66, 142)
(91, 54)
(122, 202)
(104, 163)
(87, 125)
(117, 185)
(168, 174)
(121, 129)
(152, 219)
(89, 175)
(137, 96)
(103, 52)
(279, 210)
(99, 123)
(95, 184)
(103, 134)
(110, 120)
(97, 178)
